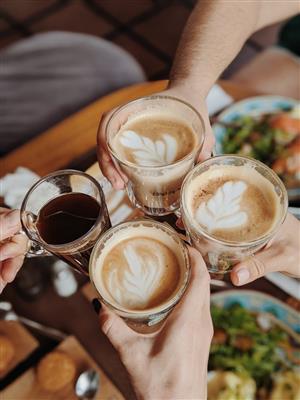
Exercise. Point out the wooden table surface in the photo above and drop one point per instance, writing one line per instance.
(60, 147)
(72, 138)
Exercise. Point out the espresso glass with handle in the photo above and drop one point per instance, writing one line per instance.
(64, 214)
(155, 141)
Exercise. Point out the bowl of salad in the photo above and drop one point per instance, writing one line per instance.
(255, 351)
(266, 128)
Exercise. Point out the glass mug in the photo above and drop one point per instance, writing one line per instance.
(149, 318)
(221, 255)
(156, 190)
(75, 252)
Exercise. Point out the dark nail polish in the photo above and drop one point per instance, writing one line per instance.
(97, 305)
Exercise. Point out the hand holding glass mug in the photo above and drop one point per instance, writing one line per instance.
(140, 269)
(64, 214)
(232, 206)
(175, 90)
(13, 245)
(281, 254)
(171, 363)
(154, 142)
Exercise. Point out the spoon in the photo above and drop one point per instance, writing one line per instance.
(87, 384)
(8, 314)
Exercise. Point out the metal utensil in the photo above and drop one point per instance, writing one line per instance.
(8, 314)
(87, 385)
(219, 284)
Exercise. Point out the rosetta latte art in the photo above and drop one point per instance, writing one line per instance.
(222, 210)
(147, 152)
(139, 280)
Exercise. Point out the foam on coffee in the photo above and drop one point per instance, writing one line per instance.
(139, 269)
(154, 140)
(233, 203)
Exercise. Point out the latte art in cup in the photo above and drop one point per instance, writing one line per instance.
(234, 203)
(154, 140)
(140, 269)
(140, 273)
(231, 207)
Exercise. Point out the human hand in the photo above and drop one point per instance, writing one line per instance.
(13, 246)
(171, 363)
(280, 254)
(108, 168)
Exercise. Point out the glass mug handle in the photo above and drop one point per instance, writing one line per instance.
(34, 249)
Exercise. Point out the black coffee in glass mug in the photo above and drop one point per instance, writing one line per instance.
(64, 213)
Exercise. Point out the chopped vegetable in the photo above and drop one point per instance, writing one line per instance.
(270, 138)
(245, 347)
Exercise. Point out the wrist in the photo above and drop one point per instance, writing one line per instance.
(189, 89)
(180, 387)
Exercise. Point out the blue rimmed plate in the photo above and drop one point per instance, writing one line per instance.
(254, 106)
(261, 303)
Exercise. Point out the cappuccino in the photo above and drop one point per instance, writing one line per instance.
(231, 207)
(142, 267)
(233, 203)
(140, 273)
(154, 140)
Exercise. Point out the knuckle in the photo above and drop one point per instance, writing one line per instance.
(257, 267)
(105, 323)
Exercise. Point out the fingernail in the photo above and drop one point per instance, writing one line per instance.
(179, 225)
(2, 286)
(243, 276)
(97, 305)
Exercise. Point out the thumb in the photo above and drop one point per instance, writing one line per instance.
(267, 260)
(9, 224)
(196, 295)
(113, 326)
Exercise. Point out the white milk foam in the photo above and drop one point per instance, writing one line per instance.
(147, 152)
(233, 202)
(222, 210)
(152, 140)
(139, 268)
(141, 276)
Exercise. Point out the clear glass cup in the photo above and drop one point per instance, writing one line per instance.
(146, 320)
(77, 252)
(156, 190)
(221, 255)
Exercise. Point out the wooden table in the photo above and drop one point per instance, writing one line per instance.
(61, 146)
(74, 137)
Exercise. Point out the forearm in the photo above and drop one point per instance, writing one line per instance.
(213, 36)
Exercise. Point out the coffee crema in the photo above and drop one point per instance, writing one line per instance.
(233, 203)
(154, 140)
(140, 270)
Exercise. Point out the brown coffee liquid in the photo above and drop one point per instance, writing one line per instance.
(66, 218)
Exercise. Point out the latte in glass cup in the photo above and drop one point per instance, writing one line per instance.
(155, 141)
(231, 207)
(140, 269)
